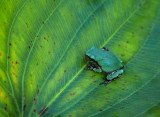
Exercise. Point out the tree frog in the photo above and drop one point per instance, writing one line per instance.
(105, 61)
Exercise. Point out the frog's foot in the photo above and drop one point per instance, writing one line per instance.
(105, 82)
(89, 67)
(106, 49)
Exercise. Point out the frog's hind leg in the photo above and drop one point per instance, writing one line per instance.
(108, 81)
(106, 49)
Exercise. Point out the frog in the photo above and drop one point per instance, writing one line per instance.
(104, 61)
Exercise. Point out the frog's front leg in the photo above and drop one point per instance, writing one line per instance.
(97, 69)
(90, 67)
(94, 69)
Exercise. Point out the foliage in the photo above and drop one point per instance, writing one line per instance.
(42, 62)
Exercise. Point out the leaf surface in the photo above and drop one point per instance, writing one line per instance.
(42, 62)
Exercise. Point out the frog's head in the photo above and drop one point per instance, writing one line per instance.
(91, 52)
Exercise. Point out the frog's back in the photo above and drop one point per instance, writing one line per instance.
(108, 60)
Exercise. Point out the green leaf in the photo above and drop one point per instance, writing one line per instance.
(42, 62)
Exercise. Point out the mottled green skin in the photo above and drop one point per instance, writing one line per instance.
(108, 61)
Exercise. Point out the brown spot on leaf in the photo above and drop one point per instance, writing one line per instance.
(93, 76)
(24, 107)
(9, 57)
(135, 75)
(38, 92)
(119, 45)
(59, 79)
(73, 93)
(142, 27)
(5, 108)
(0, 91)
(16, 62)
(0, 54)
(140, 5)
(65, 71)
(42, 22)
(93, 82)
(35, 101)
(27, 25)
(10, 44)
(100, 109)
(29, 47)
(49, 68)
(122, 55)
(37, 64)
(5, 97)
(143, 52)
(49, 52)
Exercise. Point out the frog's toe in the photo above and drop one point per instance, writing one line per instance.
(106, 49)
(105, 82)
(89, 68)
